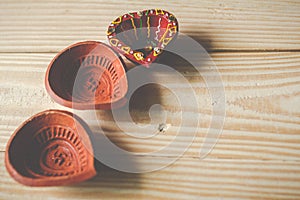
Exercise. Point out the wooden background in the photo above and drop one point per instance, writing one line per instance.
(254, 44)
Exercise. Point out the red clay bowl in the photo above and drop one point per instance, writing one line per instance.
(87, 75)
(142, 36)
(51, 148)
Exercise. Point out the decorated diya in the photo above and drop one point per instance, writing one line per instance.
(87, 75)
(142, 36)
(51, 148)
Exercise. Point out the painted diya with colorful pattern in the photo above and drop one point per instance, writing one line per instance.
(51, 148)
(87, 75)
(142, 36)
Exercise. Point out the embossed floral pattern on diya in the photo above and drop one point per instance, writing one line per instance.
(142, 36)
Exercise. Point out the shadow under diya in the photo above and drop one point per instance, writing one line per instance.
(51, 148)
(87, 75)
(142, 36)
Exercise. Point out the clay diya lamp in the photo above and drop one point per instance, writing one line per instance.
(142, 36)
(51, 148)
(87, 75)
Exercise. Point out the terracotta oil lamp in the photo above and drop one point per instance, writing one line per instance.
(51, 148)
(87, 75)
(142, 36)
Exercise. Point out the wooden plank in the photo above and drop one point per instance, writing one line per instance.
(262, 105)
(33, 26)
(187, 178)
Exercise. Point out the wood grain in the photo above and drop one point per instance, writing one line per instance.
(33, 26)
(262, 105)
(255, 45)
(187, 178)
